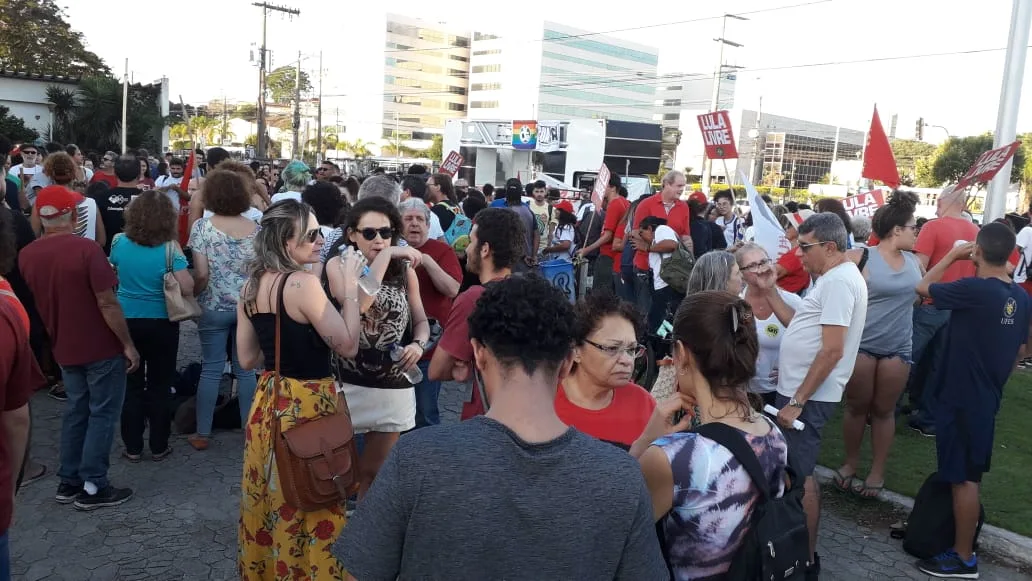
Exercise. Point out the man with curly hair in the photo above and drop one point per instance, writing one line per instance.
(496, 244)
(518, 462)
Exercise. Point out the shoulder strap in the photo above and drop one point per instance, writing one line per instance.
(279, 310)
(863, 259)
(735, 442)
(168, 256)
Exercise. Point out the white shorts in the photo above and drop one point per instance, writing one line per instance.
(380, 410)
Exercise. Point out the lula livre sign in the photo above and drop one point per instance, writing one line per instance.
(717, 135)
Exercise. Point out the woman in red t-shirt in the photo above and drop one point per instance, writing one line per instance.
(598, 397)
(792, 277)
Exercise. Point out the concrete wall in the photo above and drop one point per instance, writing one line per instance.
(27, 98)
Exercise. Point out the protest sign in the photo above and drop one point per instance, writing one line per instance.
(717, 135)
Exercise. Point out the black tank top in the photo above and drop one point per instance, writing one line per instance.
(303, 354)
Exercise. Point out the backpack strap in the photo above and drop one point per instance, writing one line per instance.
(863, 259)
(735, 442)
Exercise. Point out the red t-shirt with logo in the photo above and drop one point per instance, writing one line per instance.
(620, 423)
(65, 273)
(937, 239)
(455, 342)
(797, 278)
(677, 218)
(616, 211)
(110, 180)
(437, 305)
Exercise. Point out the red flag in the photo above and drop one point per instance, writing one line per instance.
(879, 164)
(184, 203)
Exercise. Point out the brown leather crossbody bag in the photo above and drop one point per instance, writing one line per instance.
(317, 460)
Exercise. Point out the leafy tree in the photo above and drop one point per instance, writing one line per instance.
(954, 157)
(436, 150)
(14, 127)
(908, 154)
(247, 111)
(281, 84)
(206, 128)
(37, 39)
(96, 116)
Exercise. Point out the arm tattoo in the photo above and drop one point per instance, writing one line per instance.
(295, 283)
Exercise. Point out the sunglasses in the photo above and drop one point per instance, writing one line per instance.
(371, 233)
(312, 235)
(29, 152)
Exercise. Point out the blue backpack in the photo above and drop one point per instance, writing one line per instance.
(457, 235)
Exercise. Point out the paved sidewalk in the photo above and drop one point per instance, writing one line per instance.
(181, 525)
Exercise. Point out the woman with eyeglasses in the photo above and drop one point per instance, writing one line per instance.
(598, 397)
(773, 309)
(716, 270)
(883, 362)
(274, 536)
(378, 381)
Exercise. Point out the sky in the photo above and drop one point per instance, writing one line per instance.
(827, 61)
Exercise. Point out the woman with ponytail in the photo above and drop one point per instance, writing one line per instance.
(702, 497)
(883, 362)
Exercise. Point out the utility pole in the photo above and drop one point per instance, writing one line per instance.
(266, 7)
(319, 152)
(707, 168)
(125, 103)
(297, 103)
(225, 120)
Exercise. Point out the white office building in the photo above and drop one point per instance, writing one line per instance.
(553, 71)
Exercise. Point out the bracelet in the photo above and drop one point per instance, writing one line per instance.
(355, 299)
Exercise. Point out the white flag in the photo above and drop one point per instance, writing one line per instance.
(768, 231)
(548, 136)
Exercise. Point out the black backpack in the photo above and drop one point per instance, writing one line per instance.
(930, 527)
(776, 546)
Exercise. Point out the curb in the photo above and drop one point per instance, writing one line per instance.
(1011, 548)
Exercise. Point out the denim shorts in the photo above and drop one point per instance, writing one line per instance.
(904, 357)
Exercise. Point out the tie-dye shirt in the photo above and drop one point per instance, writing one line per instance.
(713, 499)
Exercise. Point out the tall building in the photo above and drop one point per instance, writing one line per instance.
(772, 149)
(552, 71)
(425, 72)
(679, 91)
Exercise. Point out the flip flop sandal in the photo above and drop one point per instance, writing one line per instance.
(842, 482)
(160, 456)
(864, 490)
(29, 479)
(132, 458)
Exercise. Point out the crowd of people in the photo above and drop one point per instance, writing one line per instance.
(321, 294)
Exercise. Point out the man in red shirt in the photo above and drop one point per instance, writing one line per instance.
(73, 285)
(607, 265)
(936, 240)
(19, 377)
(669, 206)
(439, 277)
(496, 243)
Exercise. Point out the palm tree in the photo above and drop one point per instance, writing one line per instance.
(64, 104)
(205, 128)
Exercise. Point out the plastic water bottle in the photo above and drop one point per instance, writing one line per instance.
(414, 375)
(369, 285)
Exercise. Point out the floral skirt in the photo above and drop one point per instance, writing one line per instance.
(277, 541)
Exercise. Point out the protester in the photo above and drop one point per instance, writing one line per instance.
(560, 245)
(607, 265)
(728, 220)
(111, 205)
(833, 206)
(667, 205)
(73, 286)
(791, 275)
(883, 362)
(987, 334)
(440, 194)
(773, 309)
(818, 352)
(518, 460)
(295, 177)
(513, 201)
(706, 234)
(598, 397)
(280, 296)
(716, 270)
(106, 172)
(61, 169)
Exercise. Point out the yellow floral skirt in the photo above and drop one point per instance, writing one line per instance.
(277, 541)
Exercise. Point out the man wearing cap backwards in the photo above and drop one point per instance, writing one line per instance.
(73, 286)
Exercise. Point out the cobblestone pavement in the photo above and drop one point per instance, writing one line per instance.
(181, 524)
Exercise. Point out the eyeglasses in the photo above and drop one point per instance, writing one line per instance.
(614, 351)
(806, 247)
(312, 235)
(24, 153)
(106, 159)
(756, 266)
(370, 233)
(320, 169)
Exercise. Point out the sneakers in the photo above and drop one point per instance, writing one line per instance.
(66, 493)
(57, 392)
(107, 496)
(926, 431)
(949, 565)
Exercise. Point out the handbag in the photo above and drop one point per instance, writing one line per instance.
(179, 308)
(317, 460)
(676, 270)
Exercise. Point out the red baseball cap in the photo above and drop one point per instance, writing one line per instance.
(698, 198)
(54, 201)
(565, 206)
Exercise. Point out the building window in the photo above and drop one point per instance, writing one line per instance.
(486, 87)
(672, 88)
(602, 48)
(456, 107)
(487, 69)
(671, 116)
(483, 105)
(668, 102)
(457, 90)
(482, 36)
(461, 42)
(487, 52)
(458, 57)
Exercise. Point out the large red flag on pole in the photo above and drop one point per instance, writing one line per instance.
(879, 164)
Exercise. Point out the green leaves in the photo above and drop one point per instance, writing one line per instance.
(38, 40)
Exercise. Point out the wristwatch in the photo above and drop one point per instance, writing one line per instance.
(795, 403)
(422, 344)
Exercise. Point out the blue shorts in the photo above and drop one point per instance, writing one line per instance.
(904, 357)
(805, 446)
(964, 442)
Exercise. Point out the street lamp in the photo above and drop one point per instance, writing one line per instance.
(718, 75)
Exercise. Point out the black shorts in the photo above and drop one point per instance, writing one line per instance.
(964, 442)
(805, 446)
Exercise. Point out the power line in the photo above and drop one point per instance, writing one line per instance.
(629, 29)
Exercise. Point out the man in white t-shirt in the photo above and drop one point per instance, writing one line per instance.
(170, 184)
(654, 231)
(732, 225)
(819, 350)
(1024, 244)
(28, 168)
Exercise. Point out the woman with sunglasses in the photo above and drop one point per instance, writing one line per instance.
(598, 397)
(378, 381)
(773, 309)
(279, 293)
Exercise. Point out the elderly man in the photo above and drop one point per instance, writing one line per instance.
(382, 186)
(439, 277)
(818, 352)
